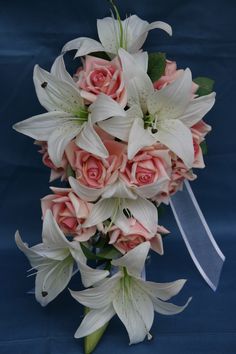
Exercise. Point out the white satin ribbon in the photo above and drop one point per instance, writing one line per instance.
(197, 236)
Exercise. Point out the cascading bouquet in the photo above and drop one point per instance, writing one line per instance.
(125, 131)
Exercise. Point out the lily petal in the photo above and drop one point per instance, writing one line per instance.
(178, 138)
(161, 25)
(150, 190)
(85, 193)
(58, 254)
(120, 126)
(90, 276)
(77, 253)
(90, 141)
(34, 258)
(138, 138)
(52, 279)
(144, 306)
(145, 212)
(134, 260)
(105, 107)
(137, 31)
(52, 235)
(197, 109)
(141, 59)
(54, 94)
(99, 296)
(157, 244)
(58, 69)
(135, 309)
(119, 190)
(163, 291)
(40, 127)
(138, 83)
(83, 45)
(171, 101)
(166, 308)
(59, 140)
(101, 211)
(94, 320)
(108, 33)
(122, 221)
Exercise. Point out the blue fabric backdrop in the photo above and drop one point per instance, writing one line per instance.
(204, 39)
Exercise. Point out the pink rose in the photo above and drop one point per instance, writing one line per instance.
(170, 75)
(56, 172)
(179, 173)
(198, 156)
(70, 212)
(147, 166)
(201, 129)
(137, 234)
(93, 171)
(101, 76)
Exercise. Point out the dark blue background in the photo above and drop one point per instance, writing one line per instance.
(204, 39)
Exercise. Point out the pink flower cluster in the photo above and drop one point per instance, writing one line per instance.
(150, 165)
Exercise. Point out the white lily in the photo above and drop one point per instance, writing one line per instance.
(114, 34)
(54, 261)
(118, 197)
(164, 115)
(67, 116)
(127, 295)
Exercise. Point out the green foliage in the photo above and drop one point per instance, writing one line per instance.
(205, 85)
(70, 172)
(108, 252)
(203, 146)
(101, 55)
(156, 65)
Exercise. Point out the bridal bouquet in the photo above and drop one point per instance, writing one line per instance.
(124, 134)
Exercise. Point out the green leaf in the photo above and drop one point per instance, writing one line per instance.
(203, 146)
(161, 210)
(101, 55)
(70, 172)
(88, 254)
(109, 252)
(92, 340)
(156, 65)
(205, 85)
(102, 240)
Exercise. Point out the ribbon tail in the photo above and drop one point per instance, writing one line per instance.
(197, 236)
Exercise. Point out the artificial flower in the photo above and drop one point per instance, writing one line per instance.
(118, 197)
(180, 172)
(129, 34)
(54, 260)
(171, 111)
(101, 76)
(67, 115)
(165, 116)
(56, 172)
(150, 165)
(171, 74)
(70, 212)
(93, 171)
(125, 241)
(198, 155)
(130, 297)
